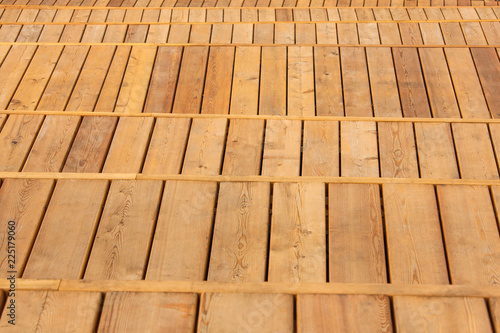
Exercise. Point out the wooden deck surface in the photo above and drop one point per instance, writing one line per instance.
(250, 165)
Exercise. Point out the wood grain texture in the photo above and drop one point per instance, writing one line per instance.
(356, 237)
(180, 249)
(205, 147)
(488, 69)
(168, 144)
(328, 82)
(447, 314)
(359, 150)
(320, 156)
(50, 310)
(474, 151)
(245, 91)
(343, 313)
(357, 98)
(470, 233)
(494, 308)
(154, 312)
(414, 240)
(239, 246)
(300, 81)
(243, 153)
(298, 243)
(66, 234)
(245, 313)
(216, 97)
(23, 201)
(282, 148)
(398, 155)
(121, 245)
(273, 81)
(436, 160)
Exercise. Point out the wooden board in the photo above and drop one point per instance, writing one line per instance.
(245, 312)
(154, 312)
(343, 313)
(398, 156)
(239, 246)
(121, 246)
(300, 85)
(357, 98)
(414, 240)
(180, 248)
(328, 82)
(320, 154)
(216, 97)
(168, 144)
(282, 148)
(273, 81)
(449, 314)
(23, 201)
(298, 243)
(470, 233)
(436, 161)
(245, 90)
(50, 310)
(474, 151)
(205, 147)
(359, 151)
(488, 69)
(243, 153)
(356, 238)
(64, 234)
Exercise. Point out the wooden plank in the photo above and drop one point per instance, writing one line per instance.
(205, 147)
(263, 33)
(398, 156)
(245, 90)
(154, 312)
(471, 234)
(129, 145)
(494, 308)
(474, 151)
(68, 242)
(413, 230)
(90, 80)
(243, 33)
(488, 69)
(389, 33)
(368, 33)
(356, 236)
(245, 312)
(298, 243)
(282, 148)
(23, 201)
(239, 246)
(284, 33)
(243, 153)
(168, 144)
(90, 146)
(186, 213)
(134, 86)
(439, 86)
(272, 99)
(50, 310)
(326, 33)
(160, 95)
(355, 82)
(321, 149)
(411, 85)
(348, 33)
(383, 85)
(410, 33)
(436, 160)
(300, 81)
(16, 139)
(343, 313)
(191, 80)
(359, 150)
(449, 314)
(121, 247)
(216, 97)
(328, 82)
(52, 144)
(466, 82)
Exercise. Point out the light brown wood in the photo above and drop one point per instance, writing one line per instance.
(398, 157)
(298, 243)
(245, 90)
(447, 314)
(356, 241)
(245, 312)
(300, 81)
(121, 245)
(358, 146)
(154, 312)
(219, 74)
(273, 81)
(414, 240)
(329, 97)
(343, 313)
(64, 234)
(282, 148)
(357, 100)
(239, 246)
(180, 248)
(320, 155)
